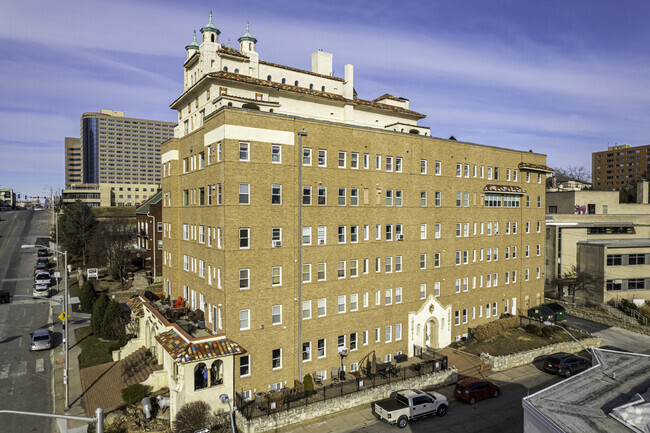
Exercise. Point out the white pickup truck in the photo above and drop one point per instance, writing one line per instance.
(409, 404)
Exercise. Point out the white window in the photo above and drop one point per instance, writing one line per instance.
(438, 230)
(342, 159)
(322, 307)
(436, 289)
(423, 261)
(388, 297)
(306, 195)
(423, 231)
(243, 151)
(388, 334)
(306, 310)
(276, 360)
(389, 265)
(321, 350)
(354, 196)
(244, 320)
(341, 197)
(389, 163)
(341, 303)
(354, 268)
(322, 196)
(423, 166)
(366, 161)
(354, 302)
(322, 157)
(276, 275)
(306, 156)
(306, 351)
(398, 263)
(398, 164)
(398, 295)
(306, 235)
(322, 271)
(354, 160)
(366, 297)
(342, 234)
(438, 168)
(306, 273)
(244, 193)
(276, 314)
(341, 269)
(245, 367)
(423, 291)
(423, 198)
(244, 238)
(244, 278)
(322, 235)
(276, 154)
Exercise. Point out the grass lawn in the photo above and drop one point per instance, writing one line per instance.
(93, 350)
(517, 340)
(73, 287)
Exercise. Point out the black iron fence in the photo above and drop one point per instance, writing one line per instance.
(387, 373)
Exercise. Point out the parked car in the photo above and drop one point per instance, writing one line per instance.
(566, 364)
(470, 390)
(41, 290)
(409, 404)
(41, 340)
(40, 267)
(43, 260)
(42, 252)
(43, 277)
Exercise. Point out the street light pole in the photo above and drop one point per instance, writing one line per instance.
(592, 352)
(224, 399)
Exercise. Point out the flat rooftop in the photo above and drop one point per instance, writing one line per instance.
(583, 402)
(619, 243)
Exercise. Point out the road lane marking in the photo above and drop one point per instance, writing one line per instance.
(22, 368)
(40, 365)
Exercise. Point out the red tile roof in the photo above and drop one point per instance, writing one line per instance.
(232, 52)
(304, 90)
(389, 96)
(135, 304)
(183, 351)
(302, 71)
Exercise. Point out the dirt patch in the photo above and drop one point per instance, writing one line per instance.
(517, 340)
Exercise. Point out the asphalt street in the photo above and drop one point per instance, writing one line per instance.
(25, 377)
(612, 337)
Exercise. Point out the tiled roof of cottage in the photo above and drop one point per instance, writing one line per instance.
(537, 167)
(504, 188)
(389, 96)
(304, 90)
(302, 71)
(232, 52)
(135, 304)
(184, 351)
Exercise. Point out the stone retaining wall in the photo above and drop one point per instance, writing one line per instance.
(316, 410)
(501, 363)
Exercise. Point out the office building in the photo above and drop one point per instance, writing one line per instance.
(307, 222)
(619, 166)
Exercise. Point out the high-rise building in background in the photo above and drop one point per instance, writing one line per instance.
(619, 166)
(307, 222)
(117, 154)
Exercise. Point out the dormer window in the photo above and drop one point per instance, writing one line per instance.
(212, 38)
(250, 47)
(311, 86)
(225, 68)
(322, 88)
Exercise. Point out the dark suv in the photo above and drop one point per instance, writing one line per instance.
(565, 364)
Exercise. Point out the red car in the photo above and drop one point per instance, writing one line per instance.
(471, 389)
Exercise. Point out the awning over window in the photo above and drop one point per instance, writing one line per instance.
(508, 189)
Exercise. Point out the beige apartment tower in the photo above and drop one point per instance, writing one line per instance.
(305, 221)
(119, 151)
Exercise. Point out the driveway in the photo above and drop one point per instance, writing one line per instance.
(612, 336)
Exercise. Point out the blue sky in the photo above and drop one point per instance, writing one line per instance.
(564, 78)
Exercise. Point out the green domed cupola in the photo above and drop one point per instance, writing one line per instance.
(210, 32)
(247, 42)
(194, 45)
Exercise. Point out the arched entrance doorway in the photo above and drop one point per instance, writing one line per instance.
(429, 326)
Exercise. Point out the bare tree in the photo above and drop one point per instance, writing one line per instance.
(577, 172)
(579, 281)
(77, 226)
(114, 245)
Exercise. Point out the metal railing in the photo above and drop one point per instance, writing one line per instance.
(267, 404)
(632, 313)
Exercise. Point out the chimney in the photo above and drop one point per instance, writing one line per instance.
(348, 85)
(642, 188)
(321, 62)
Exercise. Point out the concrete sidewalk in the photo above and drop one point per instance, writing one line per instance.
(467, 365)
(76, 320)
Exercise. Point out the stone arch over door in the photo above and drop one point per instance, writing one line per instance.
(429, 326)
